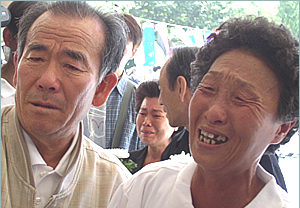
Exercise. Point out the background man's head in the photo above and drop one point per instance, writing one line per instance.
(16, 8)
(174, 84)
(134, 39)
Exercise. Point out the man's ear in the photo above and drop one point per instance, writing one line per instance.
(282, 131)
(104, 89)
(181, 87)
(7, 37)
(16, 71)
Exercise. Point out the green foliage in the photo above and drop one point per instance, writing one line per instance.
(201, 14)
(206, 14)
(288, 13)
(129, 164)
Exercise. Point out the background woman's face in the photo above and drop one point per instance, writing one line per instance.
(152, 124)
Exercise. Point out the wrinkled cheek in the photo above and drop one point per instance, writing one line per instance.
(81, 103)
(258, 115)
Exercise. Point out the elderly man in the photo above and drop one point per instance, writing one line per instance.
(66, 52)
(246, 97)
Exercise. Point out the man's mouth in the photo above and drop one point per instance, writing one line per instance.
(212, 138)
(44, 105)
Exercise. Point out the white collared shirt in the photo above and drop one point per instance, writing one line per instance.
(168, 184)
(7, 93)
(46, 178)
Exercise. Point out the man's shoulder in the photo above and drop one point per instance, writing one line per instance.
(94, 150)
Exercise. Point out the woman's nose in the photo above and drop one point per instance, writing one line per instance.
(147, 121)
(216, 114)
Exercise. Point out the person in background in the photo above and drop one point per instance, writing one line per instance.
(246, 97)
(46, 161)
(270, 160)
(175, 95)
(16, 9)
(152, 126)
(132, 76)
(98, 116)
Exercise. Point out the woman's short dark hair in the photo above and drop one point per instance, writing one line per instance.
(115, 36)
(265, 39)
(146, 89)
(179, 64)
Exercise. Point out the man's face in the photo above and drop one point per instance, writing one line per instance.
(57, 74)
(233, 112)
(171, 100)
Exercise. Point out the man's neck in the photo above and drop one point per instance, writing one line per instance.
(52, 149)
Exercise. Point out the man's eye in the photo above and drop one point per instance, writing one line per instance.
(35, 59)
(209, 88)
(157, 116)
(71, 67)
(142, 113)
(239, 98)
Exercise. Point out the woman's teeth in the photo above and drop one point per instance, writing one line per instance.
(211, 138)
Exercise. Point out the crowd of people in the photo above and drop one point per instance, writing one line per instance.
(229, 105)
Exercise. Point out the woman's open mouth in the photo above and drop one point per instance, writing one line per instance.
(211, 138)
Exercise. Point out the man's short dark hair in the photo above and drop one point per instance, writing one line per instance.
(134, 31)
(115, 36)
(179, 64)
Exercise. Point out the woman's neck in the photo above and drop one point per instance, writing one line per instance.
(231, 190)
(154, 153)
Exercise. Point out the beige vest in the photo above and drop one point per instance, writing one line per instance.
(96, 174)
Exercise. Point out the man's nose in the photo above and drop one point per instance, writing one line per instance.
(49, 78)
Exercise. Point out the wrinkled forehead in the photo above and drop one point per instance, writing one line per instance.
(151, 104)
(243, 68)
(64, 24)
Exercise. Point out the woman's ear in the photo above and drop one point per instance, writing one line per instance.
(104, 88)
(282, 131)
